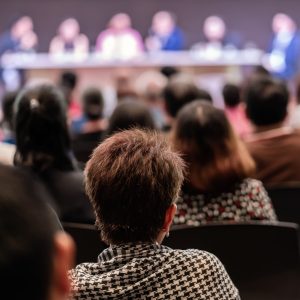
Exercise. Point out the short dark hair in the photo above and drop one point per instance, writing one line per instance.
(42, 136)
(267, 100)
(68, 79)
(129, 114)
(27, 228)
(180, 91)
(231, 95)
(131, 180)
(215, 156)
(93, 103)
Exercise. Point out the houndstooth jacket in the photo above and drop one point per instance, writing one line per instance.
(150, 271)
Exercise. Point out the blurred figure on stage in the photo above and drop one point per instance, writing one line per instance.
(119, 40)
(285, 47)
(164, 34)
(217, 38)
(69, 39)
(19, 38)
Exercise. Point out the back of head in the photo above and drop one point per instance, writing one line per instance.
(42, 136)
(231, 95)
(129, 114)
(181, 90)
(132, 178)
(27, 229)
(267, 101)
(93, 103)
(216, 158)
(67, 83)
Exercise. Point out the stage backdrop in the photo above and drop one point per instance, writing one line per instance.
(251, 18)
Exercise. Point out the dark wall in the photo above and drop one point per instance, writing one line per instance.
(251, 18)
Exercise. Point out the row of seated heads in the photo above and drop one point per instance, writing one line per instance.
(200, 131)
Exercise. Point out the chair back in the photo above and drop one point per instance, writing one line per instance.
(87, 240)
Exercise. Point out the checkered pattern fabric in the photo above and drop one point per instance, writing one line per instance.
(248, 201)
(150, 271)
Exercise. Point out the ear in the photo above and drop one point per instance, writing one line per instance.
(64, 257)
(170, 213)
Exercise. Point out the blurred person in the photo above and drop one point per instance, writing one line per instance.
(181, 90)
(67, 83)
(44, 149)
(294, 120)
(8, 101)
(149, 86)
(133, 180)
(169, 71)
(274, 145)
(164, 34)
(69, 39)
(129, 114)
(218, 183)
(285, 47)
(35, 254)
(19, 38)
(235, 109)
(119, 40)
(89, 129)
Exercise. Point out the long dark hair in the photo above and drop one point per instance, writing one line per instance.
(42, 136)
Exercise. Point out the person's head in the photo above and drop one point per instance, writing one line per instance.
(133, 179)
(266, 101)
(216, 159)
(181, 90)
(41, 130)
(93, 103)
(67, 83)
(22, 26)
(7, 108)
(69, 29)
(214, 28)
(283, 23)
(120, 22)
(35, 255)
(129, 114)
(169, 71)
(163, 23)
(231, 94)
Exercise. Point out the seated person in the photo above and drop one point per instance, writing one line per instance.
(133, 180)
(235, 109)
(35, 254)
(164, 34)
(285, 47)
(129, 114)
(90, 126)
(218, 184)
(69, 39)
(119, 40)
(44, 150)
(274, 146)
(180, 91)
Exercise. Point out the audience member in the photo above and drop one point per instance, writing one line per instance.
(68, 83)
(90, 127)
(7, 121)
(35, 254)
(285, 47)
(295, 114)
(164, 34)
(181, 90)
(43, 148)
(274, 146)
(149, 86)
(119, 40)
(218, 184)
(129, 114)
(69, 39)
(133, 180)
(235, 109)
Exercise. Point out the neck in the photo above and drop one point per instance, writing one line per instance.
(258, 129)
